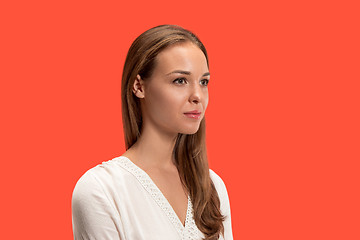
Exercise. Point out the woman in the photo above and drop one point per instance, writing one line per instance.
(161, 188)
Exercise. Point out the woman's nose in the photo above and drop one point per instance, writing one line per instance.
(195, 95)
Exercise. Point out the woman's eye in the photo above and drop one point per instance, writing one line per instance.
(179, 80)
(205, 82)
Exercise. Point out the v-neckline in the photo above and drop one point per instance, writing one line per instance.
(156, 193)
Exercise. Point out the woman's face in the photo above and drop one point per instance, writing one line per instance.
(177, 85)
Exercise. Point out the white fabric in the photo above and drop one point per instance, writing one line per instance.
(117, 200)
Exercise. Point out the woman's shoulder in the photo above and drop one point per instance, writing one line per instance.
(217, 180)
(103, 176)
(219, 184)
(222, 192)
(101, 170)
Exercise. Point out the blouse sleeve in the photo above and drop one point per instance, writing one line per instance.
(93, 217)
(224, 204)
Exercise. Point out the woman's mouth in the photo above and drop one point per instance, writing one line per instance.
(193, 115)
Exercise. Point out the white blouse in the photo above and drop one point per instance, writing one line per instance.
(117, 200)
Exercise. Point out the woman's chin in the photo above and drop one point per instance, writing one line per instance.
(190, 130)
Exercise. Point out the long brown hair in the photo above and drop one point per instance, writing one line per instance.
(190, 149)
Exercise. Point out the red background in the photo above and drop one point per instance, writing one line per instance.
(282, 121)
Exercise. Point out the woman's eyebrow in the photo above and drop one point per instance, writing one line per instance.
(187, 73)
(206, 74)
(180, 71)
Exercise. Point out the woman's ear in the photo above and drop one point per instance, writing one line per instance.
(138, 87)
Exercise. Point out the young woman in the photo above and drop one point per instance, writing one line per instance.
(161, 188)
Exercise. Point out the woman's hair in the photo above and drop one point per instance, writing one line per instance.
(190, 149)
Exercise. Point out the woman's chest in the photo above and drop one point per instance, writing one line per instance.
(173, 190)
(144, 213)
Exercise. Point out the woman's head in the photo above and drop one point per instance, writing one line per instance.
(165, 75)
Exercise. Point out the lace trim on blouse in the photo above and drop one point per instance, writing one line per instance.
(190, 231)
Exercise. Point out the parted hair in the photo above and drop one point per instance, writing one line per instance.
(189, 151)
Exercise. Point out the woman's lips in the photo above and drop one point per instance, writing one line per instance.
(193, 115)
(194, 111)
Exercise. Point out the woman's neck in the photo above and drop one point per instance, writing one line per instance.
(153, 149)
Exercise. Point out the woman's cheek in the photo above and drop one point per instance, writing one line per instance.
(162, 101)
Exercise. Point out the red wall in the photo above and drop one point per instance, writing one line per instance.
(282, 120)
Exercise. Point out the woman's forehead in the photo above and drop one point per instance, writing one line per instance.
(185, 57)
